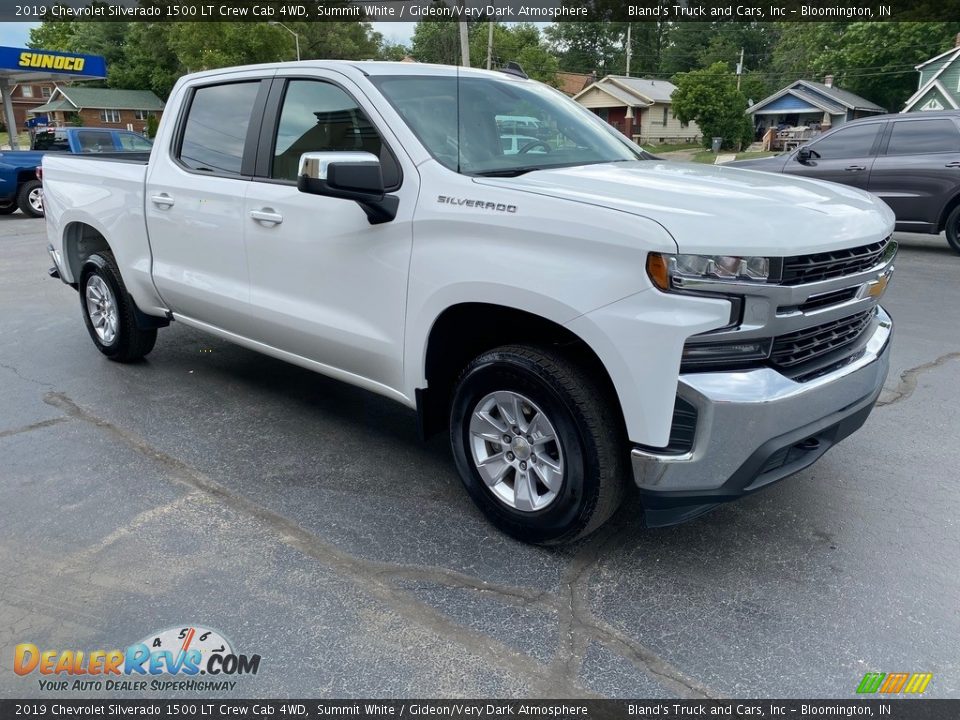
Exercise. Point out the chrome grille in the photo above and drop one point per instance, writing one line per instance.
(800, 269)
(810, 343)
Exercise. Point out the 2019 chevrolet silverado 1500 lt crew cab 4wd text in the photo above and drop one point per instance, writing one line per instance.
(575, 314)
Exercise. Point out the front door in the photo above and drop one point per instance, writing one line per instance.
(325, 284)
(843, 156)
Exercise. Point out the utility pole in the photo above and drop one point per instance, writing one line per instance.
(739, 68)
(629, 49)
(464, 37)
(490, 45)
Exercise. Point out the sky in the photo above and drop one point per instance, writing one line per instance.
(17, 34)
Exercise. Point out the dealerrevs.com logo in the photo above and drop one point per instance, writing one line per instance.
(172, 659)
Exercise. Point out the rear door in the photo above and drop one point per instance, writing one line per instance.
(325, 284)
(918, 171)
(843, 156)
(195, 200)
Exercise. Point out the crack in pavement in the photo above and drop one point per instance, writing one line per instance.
(27, 378)
(34, 426)
(908, 379)
(559, 679)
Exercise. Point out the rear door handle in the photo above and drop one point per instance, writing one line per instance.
(953, 164)
(267, 215)
(163, 200)
(854, 168)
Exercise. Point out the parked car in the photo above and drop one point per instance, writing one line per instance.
(574, 319)
(911, 161)
(19, 185)
(522, 144)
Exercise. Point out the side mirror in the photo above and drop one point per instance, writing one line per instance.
(805, 155)
(348, 175)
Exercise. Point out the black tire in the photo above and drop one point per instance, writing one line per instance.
(129, 343)
(8, 209)
(952, 227)
(23, 198)
(590, 437)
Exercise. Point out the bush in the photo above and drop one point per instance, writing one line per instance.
(709, 97)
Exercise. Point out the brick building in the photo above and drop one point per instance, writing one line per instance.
(26, 96)
(101, 107)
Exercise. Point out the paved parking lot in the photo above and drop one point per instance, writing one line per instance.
(304, 520)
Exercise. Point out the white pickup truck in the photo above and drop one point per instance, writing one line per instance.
(576, 313)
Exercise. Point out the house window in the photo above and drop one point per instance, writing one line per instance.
(45, 92)
(110, 116)
(26, 91)
(665, 111)
(142, 114)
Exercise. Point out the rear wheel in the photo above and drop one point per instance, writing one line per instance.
(536, 444)
(953, 229)
(108, 311)
(30, 198)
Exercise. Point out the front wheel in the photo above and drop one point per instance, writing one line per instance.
(537, 444)
(30, 198)
(952, 228)
(108, 311)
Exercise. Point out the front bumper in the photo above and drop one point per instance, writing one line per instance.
(756, 427)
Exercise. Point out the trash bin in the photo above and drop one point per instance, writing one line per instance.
(717, 142)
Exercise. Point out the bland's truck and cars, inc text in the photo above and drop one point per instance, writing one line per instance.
(576, 314)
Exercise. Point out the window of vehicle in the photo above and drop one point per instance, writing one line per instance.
(110, 116)
(914, 137)
(94, 141)
(456, 120)
(849, 142)
(320, 117)
(131, 142)
(50, 140)
(216, 127)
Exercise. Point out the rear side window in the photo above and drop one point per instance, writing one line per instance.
(94, 141)
(134, 143)
(850, 142)
(216, 127)
(916, 137)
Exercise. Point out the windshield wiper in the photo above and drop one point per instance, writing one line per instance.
(509, 172)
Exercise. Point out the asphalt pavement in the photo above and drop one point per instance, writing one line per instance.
(302, 519)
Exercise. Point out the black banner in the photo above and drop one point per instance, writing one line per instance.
(206, 709)
(481, 10)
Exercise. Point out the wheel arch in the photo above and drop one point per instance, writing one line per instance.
(951, 205)
(464, 330)
(80, 241)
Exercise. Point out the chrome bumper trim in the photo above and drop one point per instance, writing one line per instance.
(740, 412)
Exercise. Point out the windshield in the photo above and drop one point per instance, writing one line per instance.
(506, 127)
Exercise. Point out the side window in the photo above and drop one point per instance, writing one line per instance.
(318, 116)
(131, 142)
(94, 141)
(216, 127)
(916, 137)
(851, 142)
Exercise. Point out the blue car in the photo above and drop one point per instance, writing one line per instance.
(19, 185)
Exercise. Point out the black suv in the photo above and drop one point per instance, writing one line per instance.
(912, 161)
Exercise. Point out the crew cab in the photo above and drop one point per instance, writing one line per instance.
(577, 319)
(19, 185)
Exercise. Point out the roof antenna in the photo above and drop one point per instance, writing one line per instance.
(513, 68)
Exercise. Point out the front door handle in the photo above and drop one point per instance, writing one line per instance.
(953, 164)
(854, 168)
(162, 200)
(267, 215)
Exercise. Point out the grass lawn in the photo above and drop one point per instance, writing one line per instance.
(24, 139)
(708, 157)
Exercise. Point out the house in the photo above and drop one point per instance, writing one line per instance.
(570, 83)
(809, 103)
(939, 84)
(640, 108)
(25, 96)
(101, 107)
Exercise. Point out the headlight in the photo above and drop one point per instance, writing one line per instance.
(669, 271)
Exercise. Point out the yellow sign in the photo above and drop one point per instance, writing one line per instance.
(46, 61)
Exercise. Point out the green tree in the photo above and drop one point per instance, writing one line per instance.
(709, 97)
(522, 44)
(437, 41)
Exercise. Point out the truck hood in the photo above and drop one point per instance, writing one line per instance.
(715, 209)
